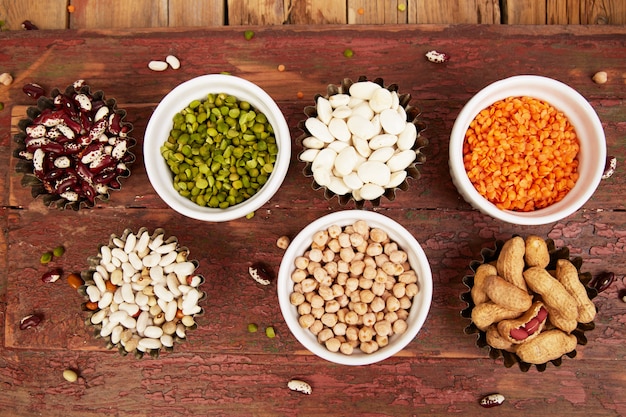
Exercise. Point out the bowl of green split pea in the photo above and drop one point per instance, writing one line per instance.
(217, 148)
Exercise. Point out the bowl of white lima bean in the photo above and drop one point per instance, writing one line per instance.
(354, 287)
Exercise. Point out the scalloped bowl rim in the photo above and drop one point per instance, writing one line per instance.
(582, 116)
(160, 124)
(416, 256)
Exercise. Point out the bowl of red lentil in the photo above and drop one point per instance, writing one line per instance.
(527, 150)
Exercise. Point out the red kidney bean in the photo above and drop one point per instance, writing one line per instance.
(33, 90)
(52, 275)
(602, 281)
(30, 321)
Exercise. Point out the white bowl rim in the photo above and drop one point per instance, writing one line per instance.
(197, 88)
(543, 88)
(417, 258)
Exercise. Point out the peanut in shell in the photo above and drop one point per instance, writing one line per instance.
(478, 289)
(552, 292)
(548, 345)
(510, 263)
(537, 253)
(567, 274)
(507, 295)
(485, 314)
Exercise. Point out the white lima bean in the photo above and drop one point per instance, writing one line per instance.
(354, 311)
(140, 286)
(346, 134)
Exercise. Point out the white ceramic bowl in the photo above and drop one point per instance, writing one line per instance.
(417, 259)
(592, 154)
(160, 125)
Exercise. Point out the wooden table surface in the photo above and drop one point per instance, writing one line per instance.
(222, 370)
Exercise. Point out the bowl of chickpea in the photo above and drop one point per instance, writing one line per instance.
(527, 150)
(354, 287)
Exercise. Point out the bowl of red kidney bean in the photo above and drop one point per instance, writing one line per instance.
(73, 147)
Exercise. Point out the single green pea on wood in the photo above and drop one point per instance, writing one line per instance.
(221, 151)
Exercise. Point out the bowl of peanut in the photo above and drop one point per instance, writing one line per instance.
(527, 150)
(354, 287)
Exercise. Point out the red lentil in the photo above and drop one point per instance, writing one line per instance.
(521, 154)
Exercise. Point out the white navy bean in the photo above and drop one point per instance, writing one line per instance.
(130, 308)
(118, 316)
(141, 299)
(129, 245)
(98, 316)
(195, 281)
(116, 262)
(142, 242)
(163, 249)
(151, 260)
(156, 242)
(156, 274)
(105, 300)
(168, 258)
(142, 321)
(129, 322)
(153, 332)
(102, 271)
(116, 334)
(106, 330)
(113, 307)
(162, 304)
(119, 254)
(191, 299)
(135, 261)
(184, 289)
(148, 343)
(99, 281)
(167, 340)
(184, 269)
(105, 253)
(192, 310)
(118, 298)
(128, 270)
(93, 293)
(161, 292)
(170, 310)
(180, 330)
(110, 267)
(172, 285)
(127, 293)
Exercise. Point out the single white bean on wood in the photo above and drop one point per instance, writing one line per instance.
(157, 65)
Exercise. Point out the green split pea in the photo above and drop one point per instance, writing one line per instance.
(221, 151)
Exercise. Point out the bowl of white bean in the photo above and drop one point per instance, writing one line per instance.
(361, 142)
(354, 287)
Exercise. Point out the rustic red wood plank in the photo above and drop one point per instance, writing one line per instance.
(223, 370)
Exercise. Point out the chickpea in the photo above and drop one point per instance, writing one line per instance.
(334, 245)
(402, 314)
(328, 255)
(392, 303)
(297, 288)
(324, 335)
(332, 306)
(342, 300)
(352, 333)
(352, 317)
(405, 303)
(317, 312)
(369, 319)
(399, 290)
(316, 327)
(344, 240)
(366, 334)
(366, 295)
(361, 227)
(346, 254)
(313, 266)
(362, 247)
(329, 319)
(334, 231)
(296, 298)
(342, 277)
(378, 235)
(374, 249)
(321, 238)
(390, 247)
(305, 321)
(304, 308)
(309, 285)
(369, 347)
(391, 316)
(360, 308)
(341, 314)
(315, 255)
(317, 301)
(392, 269)
(378, 288)
(333, 344)
(320, 274)
(352, 284)
(381, 341)
(337, 290)
(365, 283)
(383, 328)
(369, 272)
(381, 260)
(346, 348)
(408, 277)
(380, 315)
(325, 292)
(301, 262)
(377, 304)
(355, 297)
(283, 242)
(391, 281)
(298, 275)
(412, 290)
(357, 267)
(381, 276)
(399, 326)
(340, 329)
(356, 239)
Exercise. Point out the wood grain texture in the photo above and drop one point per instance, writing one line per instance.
(376, 12)
(450, 11)
(317, 12)
(523, 12)
(97, 14)
(222, 369)
(53, 16)
(195, 13)
(257, 12)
